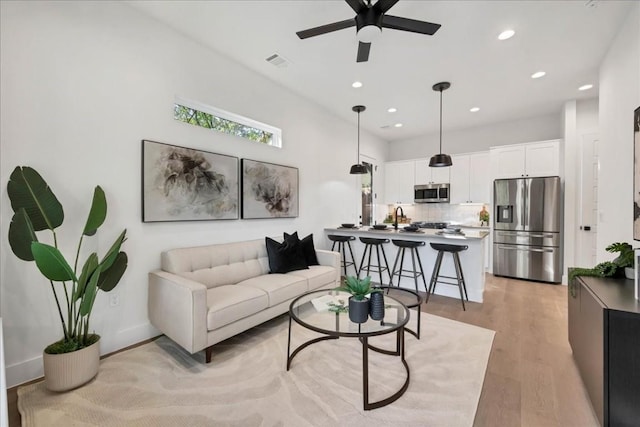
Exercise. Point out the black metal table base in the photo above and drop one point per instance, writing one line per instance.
(365, 364)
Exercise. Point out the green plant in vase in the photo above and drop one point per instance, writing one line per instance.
(358, 302)
(608, 268)
(36, 208)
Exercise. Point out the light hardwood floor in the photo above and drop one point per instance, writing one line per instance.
(531, 378)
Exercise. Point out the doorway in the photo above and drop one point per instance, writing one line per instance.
(586, 245)
(368, 182)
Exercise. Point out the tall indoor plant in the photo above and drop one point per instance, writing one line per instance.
(36, 208)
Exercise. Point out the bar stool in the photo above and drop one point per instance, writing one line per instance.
(413, 246)
(340, 241)
(453, 250)
(369, 243)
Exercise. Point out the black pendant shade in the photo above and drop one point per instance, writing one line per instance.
(440, 160)
(358, 168)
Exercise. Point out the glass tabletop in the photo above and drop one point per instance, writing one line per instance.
(326, 311)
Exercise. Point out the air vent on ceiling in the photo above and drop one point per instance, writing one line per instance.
(591, 3)
(278, 60)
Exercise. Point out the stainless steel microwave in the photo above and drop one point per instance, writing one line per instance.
(431, 193)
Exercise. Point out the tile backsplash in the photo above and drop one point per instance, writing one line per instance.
(459, 214)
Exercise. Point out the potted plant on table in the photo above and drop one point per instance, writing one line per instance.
(623, 263)
(73, 360)
(358, 301)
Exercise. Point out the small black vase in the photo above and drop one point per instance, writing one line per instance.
(376, 306)
(358, 310)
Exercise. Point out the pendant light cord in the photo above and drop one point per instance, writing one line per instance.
(440, 121)
(358, 159)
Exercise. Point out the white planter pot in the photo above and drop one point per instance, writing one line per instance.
(63, 372)
(630, 273)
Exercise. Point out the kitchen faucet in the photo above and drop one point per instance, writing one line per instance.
(395, 223)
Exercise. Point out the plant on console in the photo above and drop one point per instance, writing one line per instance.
(608, 268)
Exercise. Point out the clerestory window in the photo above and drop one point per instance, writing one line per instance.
(224, 121)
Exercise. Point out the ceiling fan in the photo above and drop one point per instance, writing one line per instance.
(369, 21)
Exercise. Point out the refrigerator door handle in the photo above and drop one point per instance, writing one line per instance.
(524, 249)
(523, 234)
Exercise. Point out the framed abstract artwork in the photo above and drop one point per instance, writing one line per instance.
(269, 190)
(184, 184)
(636, 174)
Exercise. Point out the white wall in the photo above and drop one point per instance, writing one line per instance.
(619, 97)
(479, 138)
(82, 83)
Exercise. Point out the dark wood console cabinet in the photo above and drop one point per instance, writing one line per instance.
(604, 334)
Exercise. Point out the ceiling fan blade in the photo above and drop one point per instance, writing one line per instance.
(412, 25)
(384, 5)
(323, 29)
(363, 52)
(357, 5)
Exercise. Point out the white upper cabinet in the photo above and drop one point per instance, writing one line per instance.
(532, 159)
(428, 175)
(399, 181)
(470, 179)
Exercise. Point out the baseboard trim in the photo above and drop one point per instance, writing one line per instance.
(31, 370)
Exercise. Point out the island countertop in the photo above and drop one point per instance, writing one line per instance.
(423, 233)
(472, 259)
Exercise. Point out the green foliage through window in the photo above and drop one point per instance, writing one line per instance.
(211, 121)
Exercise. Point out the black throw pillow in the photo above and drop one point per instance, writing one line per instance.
(308, 249)
(285, 257)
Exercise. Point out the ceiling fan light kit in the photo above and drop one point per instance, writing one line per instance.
(358, 168)
(369, 21)
(440, 160)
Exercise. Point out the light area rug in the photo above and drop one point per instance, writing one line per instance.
(247, 384)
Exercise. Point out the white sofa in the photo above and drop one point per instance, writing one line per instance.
(206, 294)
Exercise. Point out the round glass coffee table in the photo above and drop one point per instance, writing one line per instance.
(313, 311)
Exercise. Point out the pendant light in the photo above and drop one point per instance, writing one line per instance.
(358, 168)
(440, 160)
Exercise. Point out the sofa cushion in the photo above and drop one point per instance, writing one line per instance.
(306, 244)
(217, 265)
(286, 256)
(279, 287)
(228, 303)
(317, 276)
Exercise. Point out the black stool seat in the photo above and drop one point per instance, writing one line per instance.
(448, 248)
(335, 238)
(416, 270)
(407, 243)
(372, 241)
(341, 241)
(369, 244)
(454, 250)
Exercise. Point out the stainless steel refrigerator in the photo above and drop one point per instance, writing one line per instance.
(527, 228)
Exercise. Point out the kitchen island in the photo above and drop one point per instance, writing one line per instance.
(472, 259)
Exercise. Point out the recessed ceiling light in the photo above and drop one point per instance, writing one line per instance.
(538, 74)
(398, 125)
(585, 87)
(506, 34)
(392, 110)
(356, 84)
(474, 109)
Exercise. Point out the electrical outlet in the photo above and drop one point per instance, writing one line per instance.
(114, 300)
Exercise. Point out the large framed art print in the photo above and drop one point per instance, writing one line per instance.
(269, 190)
(184, 184)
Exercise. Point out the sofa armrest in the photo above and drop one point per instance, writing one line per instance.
(178, 307)
(331, 259)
